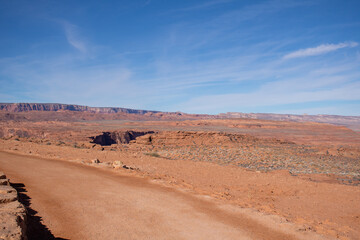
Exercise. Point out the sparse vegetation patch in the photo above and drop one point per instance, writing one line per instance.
(152, 154)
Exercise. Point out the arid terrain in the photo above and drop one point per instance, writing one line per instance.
(294, 177)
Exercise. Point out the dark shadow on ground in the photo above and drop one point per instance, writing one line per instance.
(36, 230)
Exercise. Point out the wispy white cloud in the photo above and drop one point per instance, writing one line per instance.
(273, 82)
(204, 5)
(266, 97)
(252, 11)
(147, 2)
(65, 78)
(337, 109)
(228, 62)
(321, 49)
(73, 37)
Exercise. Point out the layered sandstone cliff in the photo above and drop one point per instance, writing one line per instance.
(11, 111)
(27, 107)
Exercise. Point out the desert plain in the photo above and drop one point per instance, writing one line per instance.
(152, 175)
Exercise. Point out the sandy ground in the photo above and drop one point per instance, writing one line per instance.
(301, 174)
(316, 203)
(82, 202)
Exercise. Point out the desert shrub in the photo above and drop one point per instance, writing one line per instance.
(76, 146)
(60, 143)
(153, 154)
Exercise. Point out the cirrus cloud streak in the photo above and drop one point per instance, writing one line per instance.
(321, 49)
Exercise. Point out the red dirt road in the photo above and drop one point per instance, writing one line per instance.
(81, 202)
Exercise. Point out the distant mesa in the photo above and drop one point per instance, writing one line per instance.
(54, 107)
(9, 110)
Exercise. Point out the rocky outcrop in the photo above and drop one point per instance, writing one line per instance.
(54, 107)
(12, 213)
(178, 138)
(189, 138)
(186, 138)
(13, 132)
(122, 137)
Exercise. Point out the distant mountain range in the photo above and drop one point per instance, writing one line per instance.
(26, 107)
(352, 122)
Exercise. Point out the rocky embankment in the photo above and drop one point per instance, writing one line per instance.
(12, 212)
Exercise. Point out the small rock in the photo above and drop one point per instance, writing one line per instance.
(2, 175)
(118, 164)
(7, 194)
(95, 161)
(4, 182)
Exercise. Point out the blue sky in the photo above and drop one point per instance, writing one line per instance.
(212, 56)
